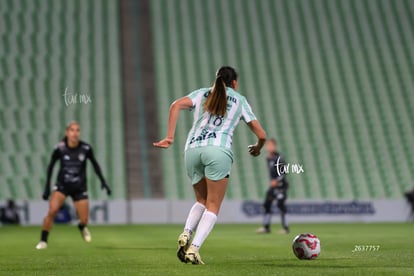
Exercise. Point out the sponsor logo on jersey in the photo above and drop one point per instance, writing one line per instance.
(66, 157)
(229, 98)
(204, 135)
(81, 157)
(86, 147)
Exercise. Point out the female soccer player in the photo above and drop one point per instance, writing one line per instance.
(71, 181)
(208, 154)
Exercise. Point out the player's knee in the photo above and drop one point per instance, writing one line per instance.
(52, 212)
(267, 207)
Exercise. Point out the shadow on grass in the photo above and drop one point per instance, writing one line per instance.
(319, 263)
(293, 263)
(131, 248)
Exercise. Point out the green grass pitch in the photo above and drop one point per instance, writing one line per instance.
(231, 249)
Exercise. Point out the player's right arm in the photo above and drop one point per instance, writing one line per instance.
(176, 107)
(53, 159)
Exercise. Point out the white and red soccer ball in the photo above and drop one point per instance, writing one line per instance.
(306, 246)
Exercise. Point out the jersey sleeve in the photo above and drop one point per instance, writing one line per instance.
(55, 156)
(196, 96)
(95, 164)
(247, 114)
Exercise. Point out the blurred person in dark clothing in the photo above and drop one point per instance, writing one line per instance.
(9, 214)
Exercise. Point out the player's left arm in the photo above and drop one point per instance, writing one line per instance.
(98, 171)
(250, 119)
(176, 107)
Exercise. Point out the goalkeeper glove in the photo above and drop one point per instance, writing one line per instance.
(106, 187)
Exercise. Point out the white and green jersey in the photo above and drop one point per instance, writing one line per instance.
(212, 130)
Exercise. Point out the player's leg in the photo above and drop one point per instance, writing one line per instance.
(197, 210)
(193, 218)
(195, 171)
(56, 200)
(215, 195)
(82, 209)
(281, 204)
(267, 205)
(216, 166)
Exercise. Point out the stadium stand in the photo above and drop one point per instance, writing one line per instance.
(145, 179)
(49, 47)
(331, 80)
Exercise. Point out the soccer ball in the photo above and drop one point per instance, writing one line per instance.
(306, 246)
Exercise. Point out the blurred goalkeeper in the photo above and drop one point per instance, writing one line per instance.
(277, 190)
(71, 181)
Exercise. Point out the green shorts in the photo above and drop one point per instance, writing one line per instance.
(212, 162)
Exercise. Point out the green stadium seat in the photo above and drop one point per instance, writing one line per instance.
(46, 46)
(321, 78)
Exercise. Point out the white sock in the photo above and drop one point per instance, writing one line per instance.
(194, 217)
(204, 228)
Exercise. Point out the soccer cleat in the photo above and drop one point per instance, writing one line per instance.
(86, 235)
(183, 243)
(41, 245)
(191, 256)
(262, 230)
(284, 231)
